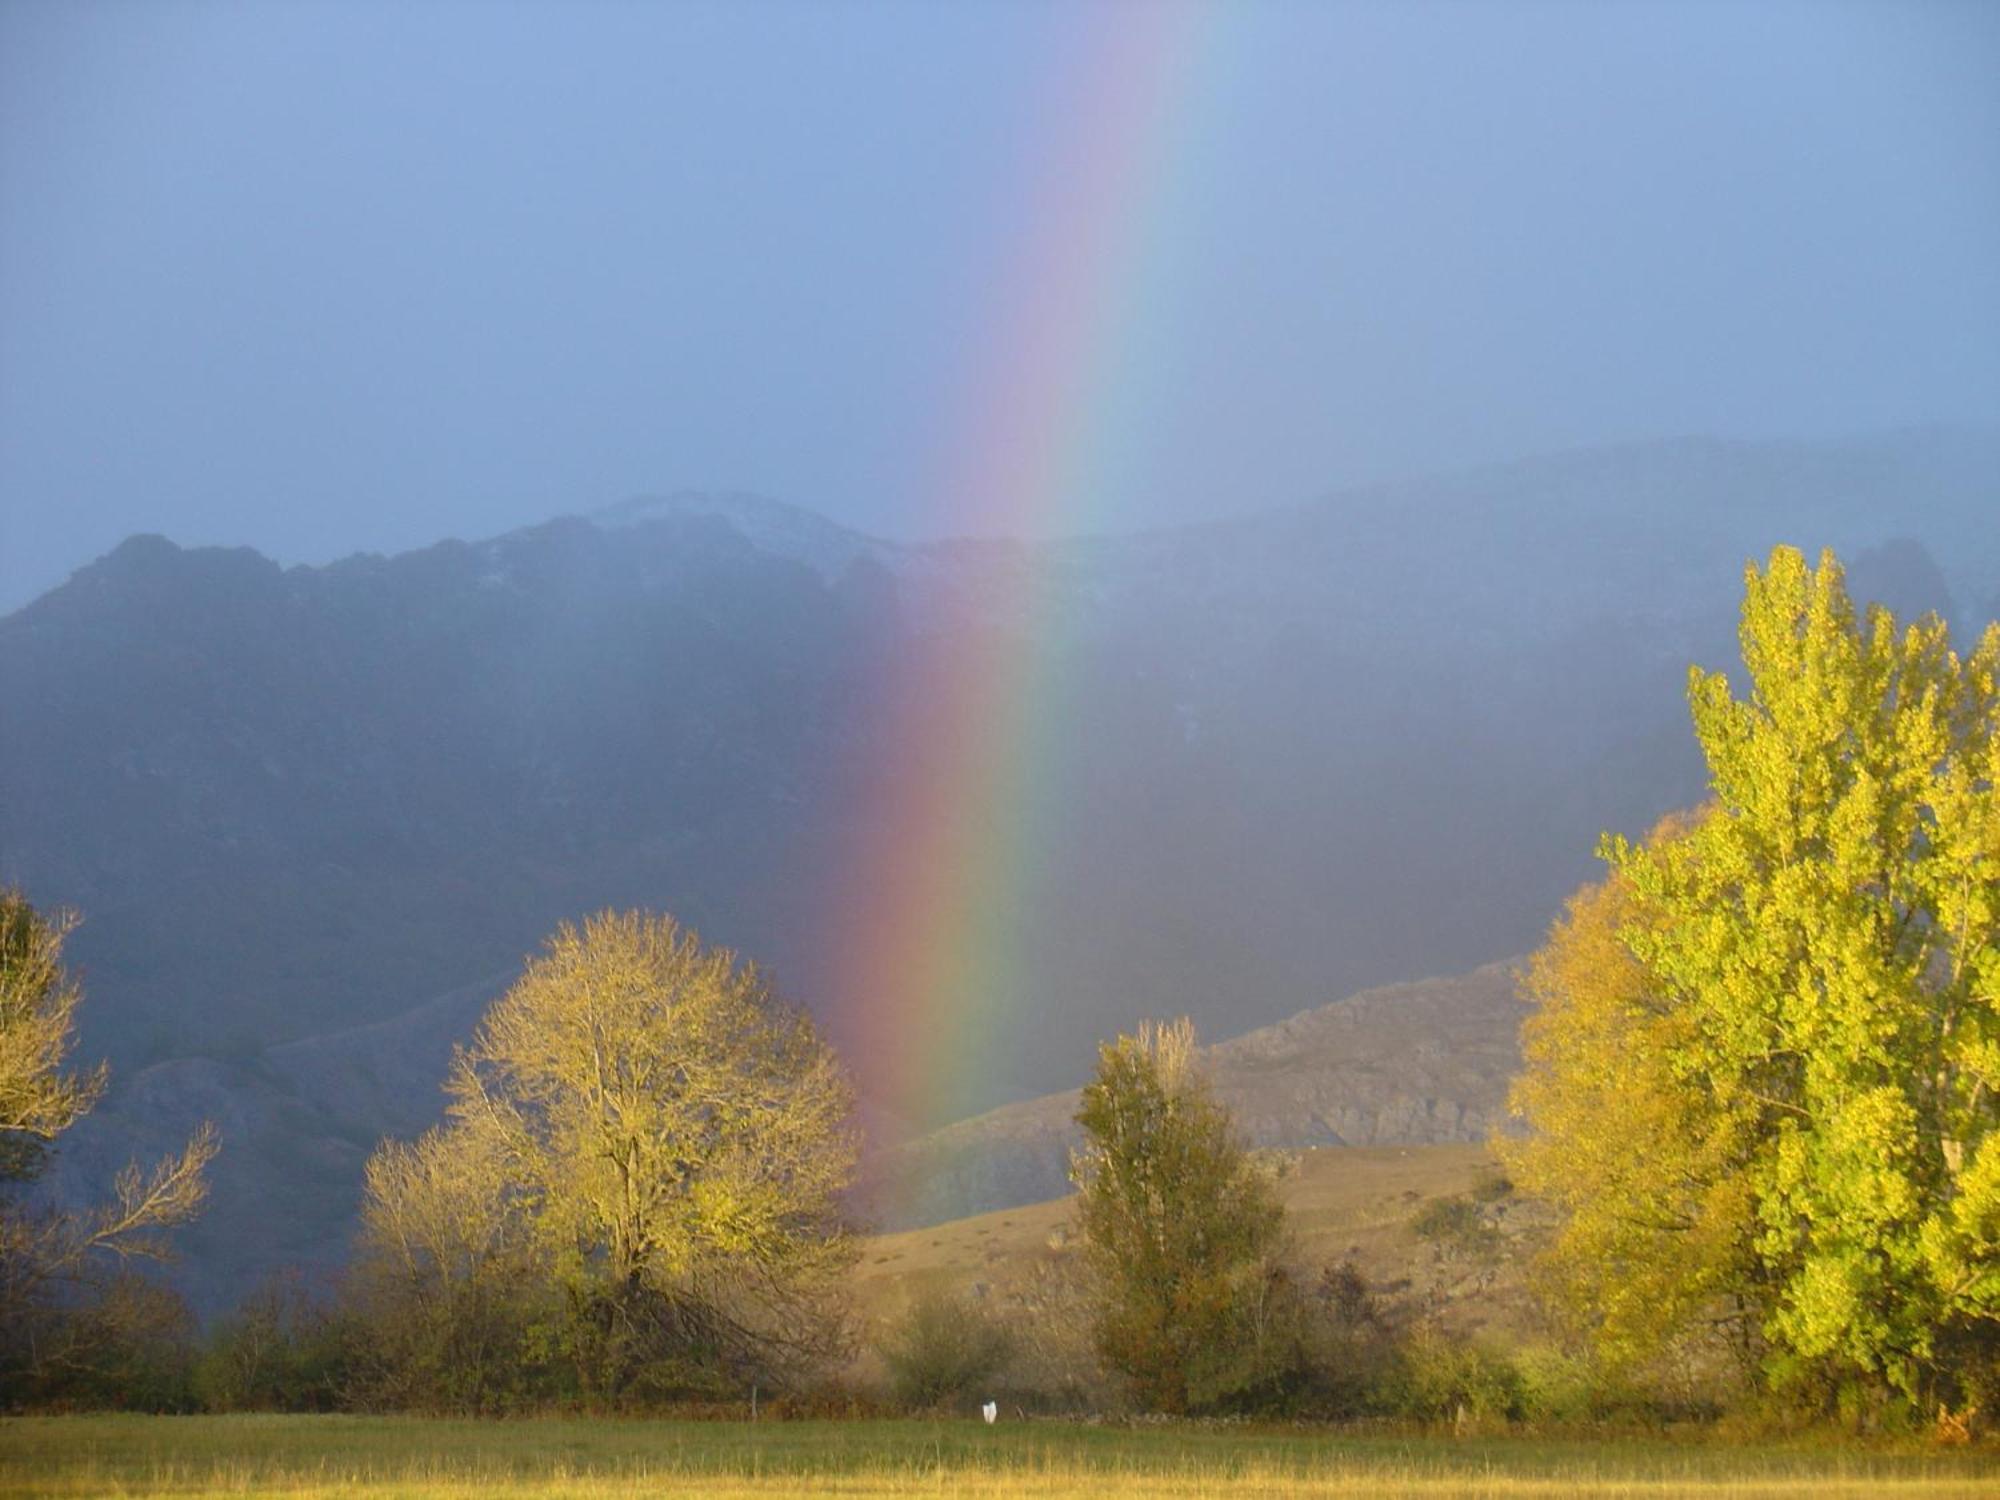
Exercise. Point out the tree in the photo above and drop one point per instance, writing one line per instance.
(1655, 1250)
(446, 1282)
(1177, 1221)
(60, 1294)
(1766, 1069)
(666, 1143)
(38, 1000)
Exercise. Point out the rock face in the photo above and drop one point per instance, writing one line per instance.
(1403, 1065)
(1406, 1064)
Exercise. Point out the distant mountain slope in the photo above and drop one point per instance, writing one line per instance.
(1403, 1065)
(1297, 754)
(297, 1123)
(772, 526)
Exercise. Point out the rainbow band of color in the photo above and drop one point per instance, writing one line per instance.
(931, 939)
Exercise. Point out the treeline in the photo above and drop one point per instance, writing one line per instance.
(1761, 1082)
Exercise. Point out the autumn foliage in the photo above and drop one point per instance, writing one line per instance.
(1762, 1078)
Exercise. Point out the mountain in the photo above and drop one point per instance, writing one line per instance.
(1297, 754)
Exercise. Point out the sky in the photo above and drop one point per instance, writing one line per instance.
(320, 278)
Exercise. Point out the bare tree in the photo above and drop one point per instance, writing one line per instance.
(54, 1259)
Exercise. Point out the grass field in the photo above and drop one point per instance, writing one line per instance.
(401, 1456)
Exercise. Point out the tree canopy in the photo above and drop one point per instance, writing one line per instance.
(1762, 1078)
(1178, 1222)
(658, 1141)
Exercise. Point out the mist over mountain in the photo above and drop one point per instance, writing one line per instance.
(314, 817)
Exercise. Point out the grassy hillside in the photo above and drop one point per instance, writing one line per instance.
(1411, 1064)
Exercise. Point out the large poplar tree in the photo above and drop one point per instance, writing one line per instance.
(1765, 1072)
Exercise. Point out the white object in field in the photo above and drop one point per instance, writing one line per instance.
(990, 1411)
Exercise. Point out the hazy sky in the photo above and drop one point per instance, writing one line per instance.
(323, 277)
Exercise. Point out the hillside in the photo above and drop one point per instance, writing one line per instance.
(1403, 1065)
(1354, 1205)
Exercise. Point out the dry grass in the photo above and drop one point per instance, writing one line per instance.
(595, 1460)
(1341, 1202)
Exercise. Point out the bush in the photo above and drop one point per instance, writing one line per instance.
(123, 1345)
(1351, 1345)
(1440, 1377)
(281, 1350)
(944, 1350)
(1054, 1365)
(1556, 1386)
(1454, 1225)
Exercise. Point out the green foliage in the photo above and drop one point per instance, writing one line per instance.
(1439, 1377)
(1556, 1386)
(1328, 1349)
(140, 1340)
(1177, 1225)
(119, 1342)
(1560, 1386)
(944, 1350)
(1766, 1070)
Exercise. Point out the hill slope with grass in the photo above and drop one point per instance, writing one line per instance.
(1433, 1231)
(1402, 1065)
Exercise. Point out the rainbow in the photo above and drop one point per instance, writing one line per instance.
(929, 944)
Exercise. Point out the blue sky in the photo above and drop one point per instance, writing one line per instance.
(326, 277)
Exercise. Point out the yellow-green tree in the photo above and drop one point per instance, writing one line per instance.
(1655, 1250)
(1763, 1076)
(667, 1143)
(63, 1306)
(446, 1282)
(39, 1099)
(1178, 1223)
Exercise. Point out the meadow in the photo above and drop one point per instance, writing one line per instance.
(298, 1456)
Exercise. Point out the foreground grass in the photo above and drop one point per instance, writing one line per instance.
(596, 1459)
